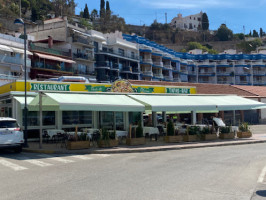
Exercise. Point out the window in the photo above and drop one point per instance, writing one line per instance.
(121, 52)
(119, 117)
(48, 118)
(134, 118)
(77, 117)
(34, 118)
(132, 54)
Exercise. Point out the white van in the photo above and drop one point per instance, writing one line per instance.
(11, 136)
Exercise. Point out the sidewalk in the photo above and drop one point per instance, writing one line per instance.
(150, 146)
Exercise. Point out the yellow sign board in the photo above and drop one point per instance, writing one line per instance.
(35, 86)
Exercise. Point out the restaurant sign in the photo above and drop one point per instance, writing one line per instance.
(175, 90)
(49, 87)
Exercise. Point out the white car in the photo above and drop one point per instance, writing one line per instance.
(11, 136)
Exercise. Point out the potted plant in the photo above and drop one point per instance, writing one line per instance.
(244, 131)
(107, 139)
(193, 134)
(226, 133)
(207, 134)
(80, 142)
(171, 135)
(139, 139)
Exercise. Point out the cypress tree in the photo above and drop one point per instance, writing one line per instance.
(205, 22)
(102, 8)
(86, 12)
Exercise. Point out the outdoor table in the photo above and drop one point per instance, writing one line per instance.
(121, 133)
(53, 132)
(150, 130)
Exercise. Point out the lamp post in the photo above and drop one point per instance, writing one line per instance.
(20, 22)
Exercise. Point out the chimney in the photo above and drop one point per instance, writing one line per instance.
(50, 42)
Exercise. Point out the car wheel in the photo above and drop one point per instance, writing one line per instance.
(18, 149)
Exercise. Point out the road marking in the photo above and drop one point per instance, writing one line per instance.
(102, 155)
(262, 175)
(81, 157)
(36, 162)
(63, 160)
(12, 165)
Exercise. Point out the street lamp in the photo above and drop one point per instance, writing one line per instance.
(20, 22)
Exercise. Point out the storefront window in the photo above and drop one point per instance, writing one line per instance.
(134, 117)
(119, 117)
(34, 118)
(107, 119)
(48, 118)
(77, 117)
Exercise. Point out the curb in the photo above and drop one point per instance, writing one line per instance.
(142, 150)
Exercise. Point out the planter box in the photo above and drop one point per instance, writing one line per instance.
(136, 141)
(190, 138)
(227, 135)
(107, 143)
(209, 137)
(72, 145)
(174, 138)
(244, 134)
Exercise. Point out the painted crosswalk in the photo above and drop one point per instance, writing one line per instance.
(25, 161)
(12, 165)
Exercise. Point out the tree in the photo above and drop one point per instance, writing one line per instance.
(255, 33)
(94, 14)
(102, 9)
(86, 14)
(205, 22)
(224, 33)
(248, 46)
(108, 11)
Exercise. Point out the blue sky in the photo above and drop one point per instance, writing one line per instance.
(237, 14)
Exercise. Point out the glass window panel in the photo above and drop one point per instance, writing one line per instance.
(119, 117)
(48, 118)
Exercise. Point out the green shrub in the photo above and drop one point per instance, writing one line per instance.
(194, 130)
(205, 130)
(83, 137)
(139, 130)
(170, 128)
(226, 129)
(105, 134)
(244, 127)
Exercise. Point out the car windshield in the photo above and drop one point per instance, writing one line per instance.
(8, 124)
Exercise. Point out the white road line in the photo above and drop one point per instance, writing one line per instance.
(12, 165)
(82, 157)
(262, 175)
(102, 155)
(59, 159)
(36, 162)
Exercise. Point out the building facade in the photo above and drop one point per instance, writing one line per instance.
(191, 22)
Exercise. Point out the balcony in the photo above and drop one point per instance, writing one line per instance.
(224, 82)
(184, 71)
(168, 78)
(158, 64)
(176, 79)
(42, 65)
(10, 77)
(135, 70)
(259, 82)
(158, 76)
(51, 51)
(83, 56)
(147, 73)
(206, 73)
(126, 69)
(167, 66)
(116, 53)
(224, 73)
(259, 72)
(13, 60)
(83, 41)
(243, 82)
(192, 72)
(146, 61)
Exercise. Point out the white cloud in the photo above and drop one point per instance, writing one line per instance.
(199, 4)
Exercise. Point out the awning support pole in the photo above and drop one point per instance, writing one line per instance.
(40, 109)
(193, 117)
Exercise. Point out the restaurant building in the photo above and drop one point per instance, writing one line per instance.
(66, 105)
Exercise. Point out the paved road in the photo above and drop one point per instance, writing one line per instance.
(231, 172)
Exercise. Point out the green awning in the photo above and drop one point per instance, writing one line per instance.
(89, 102)
(197, 103)
(159, 103)
(21, 100)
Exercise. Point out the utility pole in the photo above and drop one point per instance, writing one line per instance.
(166, 18)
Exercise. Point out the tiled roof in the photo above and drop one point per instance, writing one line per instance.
(203, 88)
(256, 90)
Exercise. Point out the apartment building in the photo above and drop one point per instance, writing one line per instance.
(12, 59)
(116, 58)
(196, 67)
